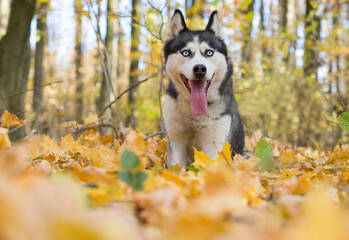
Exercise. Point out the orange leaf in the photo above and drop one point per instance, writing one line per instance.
(8, 119)
(4, 139)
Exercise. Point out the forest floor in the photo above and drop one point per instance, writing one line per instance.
(97, 188)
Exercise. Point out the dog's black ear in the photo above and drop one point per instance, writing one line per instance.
(214, 24)
(177, 24)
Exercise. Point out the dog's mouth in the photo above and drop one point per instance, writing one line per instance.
(198, 91)
(187, 83)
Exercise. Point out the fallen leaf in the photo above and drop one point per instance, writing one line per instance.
(4, 139)
(10, 120)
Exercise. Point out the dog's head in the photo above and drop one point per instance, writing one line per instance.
(196, 61)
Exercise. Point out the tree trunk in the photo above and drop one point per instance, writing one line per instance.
(110, 59)
(14, 55)
(308, 108)
(4, 12)
(291, 30)
(78, 62)
(247, 28)
(135, 33)
(283, 4)
(39, 59)
(341, 99)
(261, 14)
(312, 35)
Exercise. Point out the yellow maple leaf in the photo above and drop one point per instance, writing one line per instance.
(304, 185)
(108, 139)
(201, 160)
(174, 178)
(216, 180)
(203, 218)
(287, 158)
(154, 179)
(175, 168)
(10, 120)
(91, 119)
(51, 151)
(225, 154)
(134, 142)
(65, 229)
(4, 139)
(91, 136)
(105, 158)
(104, 193)
(70, 145)
(48, 144)
(322, 218)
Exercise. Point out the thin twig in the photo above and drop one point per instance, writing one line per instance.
(160, 93)
(342, 103)
(121, 94)
(241, 91)
(334, 107)
(106, 67)
(330, 168)
(22, 92)
(340, 124)
(169, 154)
(225, 158)
(14, 129)
(11, 121)
(14, 115)
(162, 18)
(324, 97)
(119, 15)
(240, 219)
(77, 131)
(304, 155)
(135, 21)
(153, 135)
(222, 153)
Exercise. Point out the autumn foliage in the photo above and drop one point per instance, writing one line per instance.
(96, 187)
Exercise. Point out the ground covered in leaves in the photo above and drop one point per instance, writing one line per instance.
(97, 188)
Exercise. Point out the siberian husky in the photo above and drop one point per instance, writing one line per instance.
(200, 108)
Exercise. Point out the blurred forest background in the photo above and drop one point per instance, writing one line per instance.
(63, 60)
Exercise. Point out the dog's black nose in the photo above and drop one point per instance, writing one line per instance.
(199, 70)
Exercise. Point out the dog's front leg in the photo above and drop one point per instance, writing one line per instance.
(177, 154)
(179, 135)
(212, 139)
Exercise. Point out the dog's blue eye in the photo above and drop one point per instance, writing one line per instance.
(209, 53)
(186, 53)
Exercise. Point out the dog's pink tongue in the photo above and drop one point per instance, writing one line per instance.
(198, 101)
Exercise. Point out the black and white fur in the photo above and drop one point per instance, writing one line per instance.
(185, 50)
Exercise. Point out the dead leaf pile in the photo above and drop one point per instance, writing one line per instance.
(73, 189)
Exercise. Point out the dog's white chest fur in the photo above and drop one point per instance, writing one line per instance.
(186, 130)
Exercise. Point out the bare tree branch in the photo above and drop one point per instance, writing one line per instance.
(26, 123)
(304, 155)
(340, 124)
(121, 94)
(77, 131)
(29, 90)
(106, 67)
(153, 135)
(160, 93)
(14, 115)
